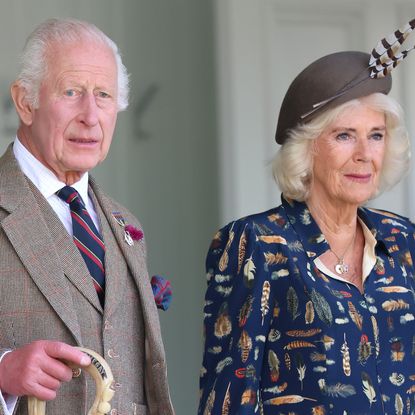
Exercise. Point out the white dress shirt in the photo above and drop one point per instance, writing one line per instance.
(48, 184)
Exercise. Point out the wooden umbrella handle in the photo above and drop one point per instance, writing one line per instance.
(104, 379)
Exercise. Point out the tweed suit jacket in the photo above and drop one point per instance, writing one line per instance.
(38, 294)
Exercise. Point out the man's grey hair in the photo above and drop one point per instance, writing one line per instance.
(293, 163)
(34, 62)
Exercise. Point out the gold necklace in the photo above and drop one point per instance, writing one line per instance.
(341, 267)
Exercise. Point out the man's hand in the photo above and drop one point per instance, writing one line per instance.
(36, 369)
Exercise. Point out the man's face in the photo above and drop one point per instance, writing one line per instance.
(71, 130)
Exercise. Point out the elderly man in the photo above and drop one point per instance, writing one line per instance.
(72, 261)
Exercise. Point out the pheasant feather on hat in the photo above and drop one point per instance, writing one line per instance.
(340, 77)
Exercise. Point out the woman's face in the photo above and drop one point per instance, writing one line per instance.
(348, 157)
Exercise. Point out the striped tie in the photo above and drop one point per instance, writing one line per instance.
(86, 238)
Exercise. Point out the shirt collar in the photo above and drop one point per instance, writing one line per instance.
(42, 177)
(308, 232)
(310, 235)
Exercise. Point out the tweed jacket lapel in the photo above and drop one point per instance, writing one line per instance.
(155, 368)
(27, 231)
(135, 255)
(114, 287)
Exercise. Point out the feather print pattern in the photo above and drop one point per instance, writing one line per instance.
(249, 272)
(245, 345)
(277, 389)
(318, 410)
(292, 303)
(376, 335)
(301, 368)
(274, 335)
(327, 341)
(278, 329)
(393, 289)
(355, 315)
(368, 388)
(266, 288)
(276, 311)
(298, 344)
(210, 403)
(305, 217)
(397, 378)
(337, 390)
(223, 325)
(241, 250)
(272, 259)
(322, 307)
(226, 401)
(287, 361)
(288, 399)
(274, 366)
(393, 305)
(309, 313)
(245, 311)
(280, 274)
(399, 407)
(303, 333)
(248, 397)
(223, 363)
(346, 357)
(224, 260)
(364, 350)
(318, 357)
(272, 239)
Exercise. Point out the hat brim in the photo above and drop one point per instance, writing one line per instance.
(325, 84)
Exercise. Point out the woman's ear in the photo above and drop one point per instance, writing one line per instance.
(23, 108)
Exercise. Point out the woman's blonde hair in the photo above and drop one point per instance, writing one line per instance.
(293, 164)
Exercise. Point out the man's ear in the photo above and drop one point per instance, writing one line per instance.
(23, 107)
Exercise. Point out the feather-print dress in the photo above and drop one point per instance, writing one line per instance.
(282, 337)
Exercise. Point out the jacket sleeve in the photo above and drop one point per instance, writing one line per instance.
(236, 322)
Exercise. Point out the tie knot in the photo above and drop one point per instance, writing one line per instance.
(69, 195)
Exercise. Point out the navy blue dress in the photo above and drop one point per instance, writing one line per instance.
(283, 338)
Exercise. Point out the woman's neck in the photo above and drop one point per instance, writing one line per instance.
(344, 235)
(337, 222)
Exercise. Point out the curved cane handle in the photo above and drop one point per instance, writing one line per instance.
(104, 379)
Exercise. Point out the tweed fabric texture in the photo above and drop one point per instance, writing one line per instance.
(47, 293)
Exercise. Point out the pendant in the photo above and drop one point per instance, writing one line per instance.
(341, 268)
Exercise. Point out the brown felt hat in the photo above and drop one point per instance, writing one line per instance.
(326, 83)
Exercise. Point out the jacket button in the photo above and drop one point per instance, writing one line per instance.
(111, 353)
(76, 372)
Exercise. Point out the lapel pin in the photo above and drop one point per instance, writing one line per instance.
(131, 233)
(128, 238)
(119, 218)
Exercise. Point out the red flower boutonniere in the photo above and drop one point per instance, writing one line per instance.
(135, 233)
(131, 233)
